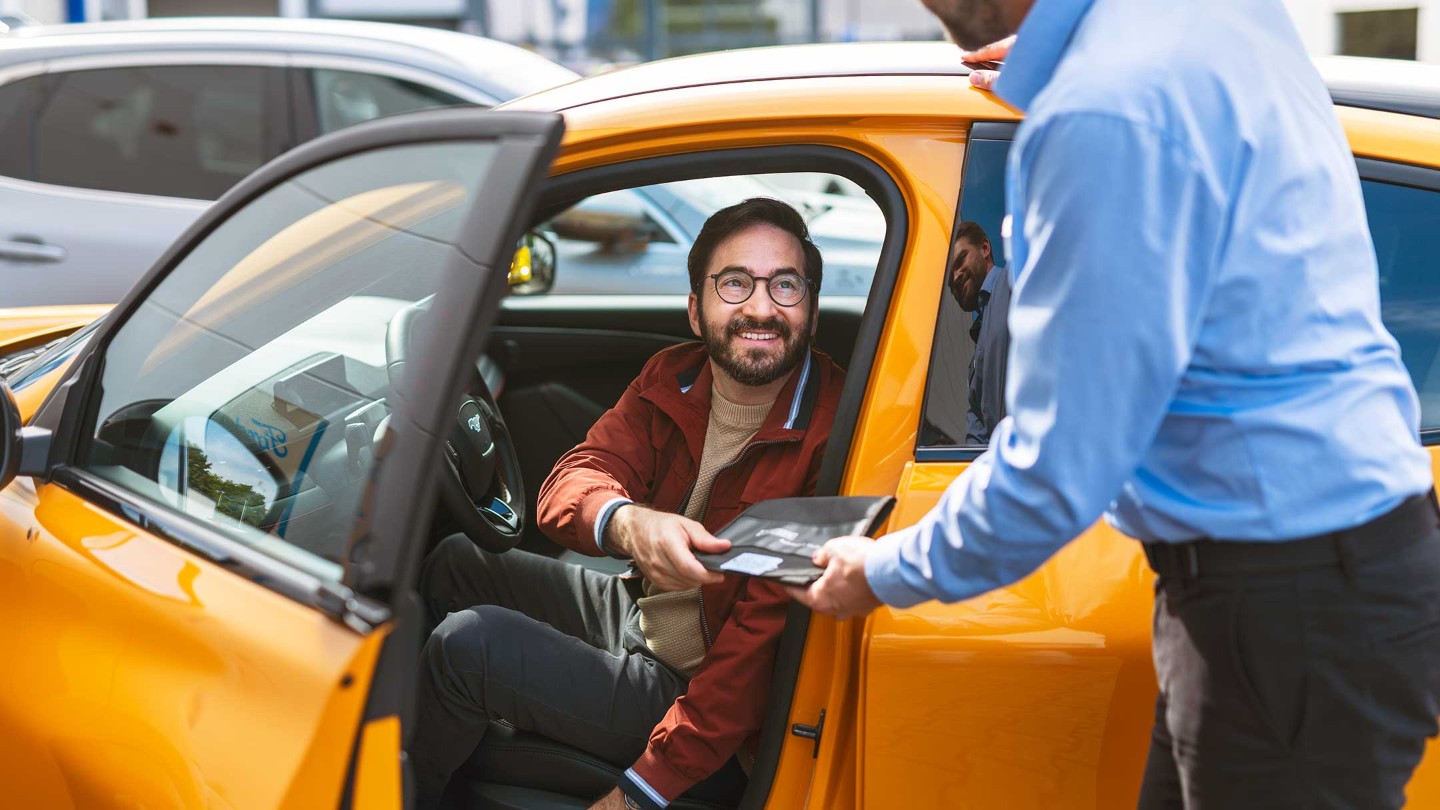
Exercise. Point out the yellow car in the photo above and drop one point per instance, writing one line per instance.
(216, 496)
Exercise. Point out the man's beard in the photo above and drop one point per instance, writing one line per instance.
(971, 23)
(755, 367)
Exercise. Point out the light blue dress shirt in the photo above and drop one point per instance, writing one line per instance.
(1196, 347)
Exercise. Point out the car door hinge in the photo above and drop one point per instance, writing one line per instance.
(811, 732)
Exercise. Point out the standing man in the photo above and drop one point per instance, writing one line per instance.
(983, 289)
(665, 676)
(1193, 223)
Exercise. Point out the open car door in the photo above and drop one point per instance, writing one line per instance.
(221, 505)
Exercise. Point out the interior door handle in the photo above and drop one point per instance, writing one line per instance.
(30, 249)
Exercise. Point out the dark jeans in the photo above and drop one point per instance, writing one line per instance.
(549, 647)
(1314, 687)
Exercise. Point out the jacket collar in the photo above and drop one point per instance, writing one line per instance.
(683, 394)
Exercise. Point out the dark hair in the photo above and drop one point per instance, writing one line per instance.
(971, 232)
(735, 218)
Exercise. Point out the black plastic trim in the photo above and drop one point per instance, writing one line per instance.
(200, 539)
(941, 455)
(565, 190)
(993, 131)
(1403, 174)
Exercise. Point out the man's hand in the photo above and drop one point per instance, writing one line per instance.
(614, 800)
(842, 590)
(663, 546)
(994, 52)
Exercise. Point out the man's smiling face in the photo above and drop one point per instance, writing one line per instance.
(969, 264)
(757, 341)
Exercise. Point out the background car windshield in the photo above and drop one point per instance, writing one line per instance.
(636, 241)
(250, 387)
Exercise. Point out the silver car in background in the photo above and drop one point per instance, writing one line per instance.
(115, 136)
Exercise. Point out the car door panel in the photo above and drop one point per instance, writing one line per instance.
(136, 662)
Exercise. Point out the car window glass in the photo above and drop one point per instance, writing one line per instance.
(344, 97)
(636, 241)
(964, 392)
(250, 387)
(176, 131)
(1407, 244)
(19, 104)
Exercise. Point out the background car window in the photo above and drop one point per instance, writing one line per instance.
(177, 131)
(19, 104)
(636, 241)
(1407, 244)
(344, 97)
(952, 417)
(250, 387)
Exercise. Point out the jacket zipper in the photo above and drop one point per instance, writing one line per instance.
(704, 622)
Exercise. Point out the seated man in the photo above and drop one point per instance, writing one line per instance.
(982, 288)
(667, 673)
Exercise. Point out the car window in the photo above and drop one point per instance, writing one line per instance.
(636, 241)
(19, 104)
(1407, 244)
(344, 97)
(176, 131)
(963, 402)
(250, 388)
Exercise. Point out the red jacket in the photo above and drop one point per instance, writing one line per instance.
(647, 448)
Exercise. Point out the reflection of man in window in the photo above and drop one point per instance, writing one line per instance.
(982, 289)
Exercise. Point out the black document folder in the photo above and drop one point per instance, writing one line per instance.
(775, 539)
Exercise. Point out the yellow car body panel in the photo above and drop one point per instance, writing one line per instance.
(137, 663)
(1039, 695)
(21, 328)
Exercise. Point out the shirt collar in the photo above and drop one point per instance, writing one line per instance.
(1039, 45)
(988, 285)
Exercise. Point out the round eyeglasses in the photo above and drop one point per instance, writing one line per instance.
(736, 286)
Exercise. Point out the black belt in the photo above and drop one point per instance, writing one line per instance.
(1416, 518)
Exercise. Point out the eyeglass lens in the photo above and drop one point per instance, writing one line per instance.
(735, 287)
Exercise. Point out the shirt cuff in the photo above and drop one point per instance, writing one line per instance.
(602, 520)
(885, 574)
(634, 786)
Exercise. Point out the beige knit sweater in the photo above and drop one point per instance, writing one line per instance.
(671, 622)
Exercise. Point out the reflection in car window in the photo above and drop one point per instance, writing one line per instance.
(20, 103)
(178, 131)
(344, 97)
(635, 241)
(1407, 244)
(249, 389)
(958, 410)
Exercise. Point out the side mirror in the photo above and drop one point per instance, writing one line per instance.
(532, 271)
(22, 449)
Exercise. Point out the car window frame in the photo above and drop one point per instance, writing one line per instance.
(1409, 175)
(304, 114)
(277, 136)
(70, 408)
(992, 131)
(566, 189)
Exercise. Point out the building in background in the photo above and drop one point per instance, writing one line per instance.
(592, 33)
(1395, 29)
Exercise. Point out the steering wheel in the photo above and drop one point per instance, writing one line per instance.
(480, 479)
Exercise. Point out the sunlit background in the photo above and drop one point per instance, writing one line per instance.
(591, 35)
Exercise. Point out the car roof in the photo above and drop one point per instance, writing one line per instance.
(1381, 84)
(497, 68)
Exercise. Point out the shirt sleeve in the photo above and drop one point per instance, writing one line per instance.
(1120, 237)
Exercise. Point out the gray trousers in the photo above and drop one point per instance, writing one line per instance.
(1300, 689)
(550, 647)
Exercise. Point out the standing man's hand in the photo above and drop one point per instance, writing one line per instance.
(842, 591)
(663, 546)
(994, 52)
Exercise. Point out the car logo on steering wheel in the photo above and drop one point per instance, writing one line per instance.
(474, 423)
